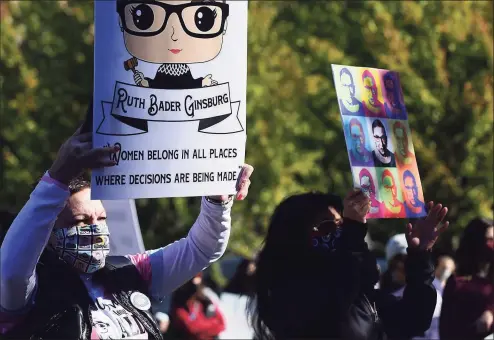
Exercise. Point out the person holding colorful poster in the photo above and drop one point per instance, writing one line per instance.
(315, 275)
(57, 278)
(397, 191)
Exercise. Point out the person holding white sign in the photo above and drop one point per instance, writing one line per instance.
(56, 278)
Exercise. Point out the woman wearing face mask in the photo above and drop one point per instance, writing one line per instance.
(315, 275)
(57, 281)
(468, 298)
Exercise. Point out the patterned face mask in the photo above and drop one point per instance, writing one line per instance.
(84, 248)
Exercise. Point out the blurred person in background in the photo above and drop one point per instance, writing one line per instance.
(315, 275)
(163, 321)
(393, 280)
(57, 280)
(445, 267)
(468, 298)
(195, 314)
(234, 301)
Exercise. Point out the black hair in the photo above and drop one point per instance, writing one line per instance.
(378, 123)
(182, 294)
(470, 255)
(241, 282)
(286, 246)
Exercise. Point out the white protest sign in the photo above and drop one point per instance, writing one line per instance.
(123, 223)
(170, 89)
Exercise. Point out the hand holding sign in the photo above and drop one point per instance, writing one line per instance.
(356, 205)
(77, 154)
(243, 184)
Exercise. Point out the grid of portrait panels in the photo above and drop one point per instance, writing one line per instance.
(379, 141)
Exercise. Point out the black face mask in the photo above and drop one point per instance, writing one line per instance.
(324, 234)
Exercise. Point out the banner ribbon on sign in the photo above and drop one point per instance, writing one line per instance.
(133, 107)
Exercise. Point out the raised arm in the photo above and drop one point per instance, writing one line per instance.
(412, 315)
(30, 231)
(25, 241)
(169, 267)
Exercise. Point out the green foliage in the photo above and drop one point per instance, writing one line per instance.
(443, 51)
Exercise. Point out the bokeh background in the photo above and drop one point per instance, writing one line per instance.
(443, 51)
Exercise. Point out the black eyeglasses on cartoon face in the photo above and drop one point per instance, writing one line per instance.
(147, 18)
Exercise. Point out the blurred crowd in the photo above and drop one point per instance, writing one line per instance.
(464, 284)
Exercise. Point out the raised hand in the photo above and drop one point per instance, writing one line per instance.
(243, 184)
(77, 154)
(356, 206)
(426, 231)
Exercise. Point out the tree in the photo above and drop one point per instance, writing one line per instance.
(443, 51)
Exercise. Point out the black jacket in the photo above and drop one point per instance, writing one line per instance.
(333, 297)
(61, 308)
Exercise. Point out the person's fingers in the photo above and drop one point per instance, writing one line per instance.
(99, 153)
(443, 228)
(245, 174)
(352, 193)
(247, 171)
(408, 232)
(84, 137)
(441, 215)
(359, 201)
(99, 164)
(78, 131)
(362, 202)
(433, 212)
(244, 189)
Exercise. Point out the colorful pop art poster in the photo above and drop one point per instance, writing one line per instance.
(379, 141)
(170, 89)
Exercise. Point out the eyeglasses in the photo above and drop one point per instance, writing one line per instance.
(146, 18)
(326, 226)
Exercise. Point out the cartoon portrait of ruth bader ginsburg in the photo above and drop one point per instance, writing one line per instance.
(172, 33)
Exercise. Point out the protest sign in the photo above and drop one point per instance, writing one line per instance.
(379, 141)
(170, 90)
